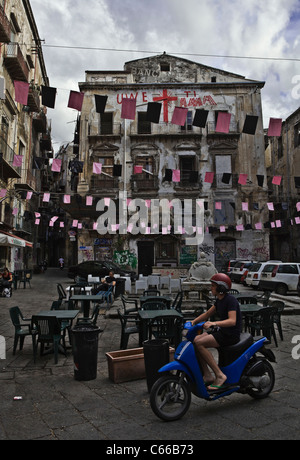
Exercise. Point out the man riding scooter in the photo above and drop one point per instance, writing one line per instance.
(226, 331)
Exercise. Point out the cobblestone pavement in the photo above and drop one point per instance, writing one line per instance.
(56, 406)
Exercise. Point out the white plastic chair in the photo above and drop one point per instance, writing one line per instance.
(141, 284)
(127, 284)
(164, 281)
(176, 284)
(153, 280)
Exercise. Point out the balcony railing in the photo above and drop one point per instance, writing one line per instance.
(39, 122)
(33, 100)
(103, 183)
(7, 157)
(15, 62)
(139, 182)
(5, 27)
(233, 128)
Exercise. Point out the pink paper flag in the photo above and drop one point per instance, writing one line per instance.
(18, 161)
(67, 199)
(95, 225)
(245, 206)
(276, 180)
(76, 100)
(297, 205)
(56, 165)
(275, 125)
(89, 201)
(3, 193)
(272, 224)
(79, 226)
(138, 169)
(270, 206)
(29, 195)
(128, 108)
(176, 175)
(51, 223)
(74, 223)
(222, 228)
(179, 116)
(15, 211)
(106, 201)
(218, 205)
(258, 226)
(209, 177)
(243, 179)
(240, 228)
(61, 224)
(297, 220)
(37, 222)
(37, 214)
(97, 168)
(223, 122)
(21, 92)
(54, 218)
(278, 223)
(46, 197)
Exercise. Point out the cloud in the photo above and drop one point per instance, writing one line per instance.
(211, 27)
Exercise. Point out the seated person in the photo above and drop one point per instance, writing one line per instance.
(106, 282)
(6, 278)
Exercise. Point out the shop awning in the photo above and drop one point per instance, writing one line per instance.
(7, 239)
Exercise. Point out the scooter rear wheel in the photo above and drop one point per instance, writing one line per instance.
(262, 391)
(170, 397)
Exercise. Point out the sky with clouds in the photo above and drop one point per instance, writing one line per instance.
(199, 30)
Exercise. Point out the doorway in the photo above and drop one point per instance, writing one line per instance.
(145, 257)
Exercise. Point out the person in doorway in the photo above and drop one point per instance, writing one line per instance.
(225, 331)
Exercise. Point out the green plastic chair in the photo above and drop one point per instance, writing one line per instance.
(49, 330)
(129, 325)
(22, 328)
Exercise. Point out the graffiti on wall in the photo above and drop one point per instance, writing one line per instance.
(125, 258)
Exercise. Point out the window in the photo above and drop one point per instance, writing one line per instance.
(106, 123)
(188, 126)
(164, 67)
(223, 165)
(148, 165)
(225, 215)
(144, 126)
(188, 174)
(297, 135)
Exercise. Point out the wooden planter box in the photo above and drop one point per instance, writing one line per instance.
(126, 365)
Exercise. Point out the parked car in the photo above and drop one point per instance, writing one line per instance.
(98, 268)
(239, 270)
(254, 272)
(228, 266)
(280, 277)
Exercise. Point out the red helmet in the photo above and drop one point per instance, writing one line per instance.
(222, 280)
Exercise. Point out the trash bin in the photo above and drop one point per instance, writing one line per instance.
(120, 287)
(85, 351)
(156, 355)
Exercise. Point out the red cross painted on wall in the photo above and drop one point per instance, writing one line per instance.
(166, 98)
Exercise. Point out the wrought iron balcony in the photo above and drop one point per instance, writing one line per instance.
(7, 170)
(15, 63)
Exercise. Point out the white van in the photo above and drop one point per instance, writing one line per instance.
(280, 277)
(254, 272)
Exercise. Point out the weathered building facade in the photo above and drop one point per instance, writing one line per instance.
(24, 135)
(149, 153)
(283, 160)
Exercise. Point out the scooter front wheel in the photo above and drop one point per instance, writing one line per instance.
(170, 397)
